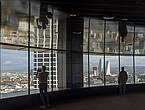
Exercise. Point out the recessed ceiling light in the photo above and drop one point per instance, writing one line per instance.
(124, 19)
(108, 17)
(72, 15)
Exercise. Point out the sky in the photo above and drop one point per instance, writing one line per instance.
(16, 60)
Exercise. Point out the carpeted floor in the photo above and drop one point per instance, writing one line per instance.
(132, 101)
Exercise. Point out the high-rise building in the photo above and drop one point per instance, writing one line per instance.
(101, 66)
(107, 69)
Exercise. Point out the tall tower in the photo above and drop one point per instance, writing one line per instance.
(107, 69)
(101, 70)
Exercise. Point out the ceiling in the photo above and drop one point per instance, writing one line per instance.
(133, 10)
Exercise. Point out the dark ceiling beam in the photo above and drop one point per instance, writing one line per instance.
(91, 1)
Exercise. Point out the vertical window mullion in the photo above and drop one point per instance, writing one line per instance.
(104, 51)
(134, 56)
(52, 52)
(89, 53)
(29, 20)
(119, 54)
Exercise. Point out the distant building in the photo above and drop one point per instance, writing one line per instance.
(101, 67)
(107, 69)
(95, 71)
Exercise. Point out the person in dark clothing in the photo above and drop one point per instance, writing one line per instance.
(122, 79)
(42, 76)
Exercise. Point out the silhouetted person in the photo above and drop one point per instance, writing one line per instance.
(122, 79)
(42, 76)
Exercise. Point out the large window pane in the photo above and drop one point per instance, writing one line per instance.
(59, 30)
(126, 46)
(96, 36)
(42, 25)
(139, 69)
(36, 64)
(112, 37)
(59, 74)
(139, 40)
(96, 70)
(14, 71)
(111, 69)
(127, 63)
(14, 22)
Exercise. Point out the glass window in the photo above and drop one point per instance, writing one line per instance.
(40, 55)
(46, 60)
(112, 37)
(46, 55)
(139, 40)
(46, 64)
(96, 36)
(127, 63)
(59, 30)
(96, 70)
(14, 22)
(34, 84)
(40, 60)
(126, 46)
(111, 69)
(14, 72)
(40, 32)
(139, 69)
(40, 64)
(85, 70)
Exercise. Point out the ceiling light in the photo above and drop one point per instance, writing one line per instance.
(73, 15)
(124, 19)
(108, 17)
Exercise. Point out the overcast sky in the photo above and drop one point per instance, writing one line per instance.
(16, 60)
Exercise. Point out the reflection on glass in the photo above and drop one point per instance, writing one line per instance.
(14, 75)
(14, 22)
(96, 36)
(127, 63)
(139, 69)
(59, 74)
(126, 47)
(139, 40)
(111, 70)
(96, 70)
(85, 37)
(85, 70)
(112, 37)
(59, 30)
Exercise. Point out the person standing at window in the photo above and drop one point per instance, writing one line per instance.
(42, 76)
(122, 79)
